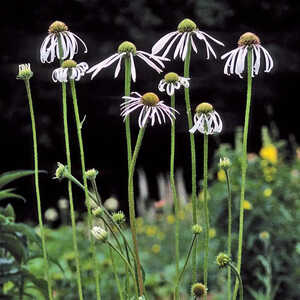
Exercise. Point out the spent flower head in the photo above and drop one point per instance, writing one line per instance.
(186, 30)
(59, 34)
(198, 289)
(128, 49)
(69, 70)
(206, 119)
(235, 63)
(152, 108)
(91, 174)
(119, 217)
(171, 82)
(25, 72)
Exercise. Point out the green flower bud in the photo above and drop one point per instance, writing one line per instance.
(98, 212)
(186, 25)
(119, 217)
(91, 174)
(204, 108)
(127, 47)
(60, 171)
(25, 72)
(196, 229)
(225, 163)
(223, 260)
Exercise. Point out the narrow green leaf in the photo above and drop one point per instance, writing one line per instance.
(10, 176)
(5, 194)
(13, 245)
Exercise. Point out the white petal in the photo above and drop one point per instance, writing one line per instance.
(160, 44)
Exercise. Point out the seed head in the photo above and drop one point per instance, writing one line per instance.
(127, 47)
(171, 77)
(248, 39)
(223, 260)
(150, 99)
(69, 63)
(186, 25)
(25, 72)
(198, 289)
(204, 108)
(57, 27)
(225, 163)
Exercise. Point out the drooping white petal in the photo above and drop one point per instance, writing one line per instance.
(132, 67)
(160, 44)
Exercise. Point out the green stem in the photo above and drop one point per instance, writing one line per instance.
(229, 232)
(244, 165)
(37, 187)
(92, 245)
(185, 264)
(193, 154)
(175, 198)
(127, 121)
(239, 278)
(128, 265)
(72, 211)
(206, 212)
(132, 208)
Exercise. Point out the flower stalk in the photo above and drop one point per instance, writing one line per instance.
(37, 188)
(175, 198)
(244, 166)
(193, 154)
(82, 159)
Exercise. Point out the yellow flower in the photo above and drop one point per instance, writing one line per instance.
(269, 153)
(267, 192)
(212, 233)
(171, 219)
(221, 175)
(155, 248)
(151, 230)
(247, 205)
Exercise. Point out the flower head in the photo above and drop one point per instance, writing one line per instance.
(198, 289)
(269, 153)
(152, 108)
(186, 30)
(128, 49)
(224, 163)
(25, 72)
(171, 82)
(91, 174)
(99, 233)
(235, 63)
(119, 217)
(223, 260)
(69, 69)
(206, 120)
(59, 34)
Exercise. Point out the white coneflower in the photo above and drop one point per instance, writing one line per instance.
(69, 70)
(171, 82)
(206, 120)
(235, 63)
(128, 49)
(186, 30)
(50, 47)
(152, 108)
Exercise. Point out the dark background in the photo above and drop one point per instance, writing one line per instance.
(103, 25)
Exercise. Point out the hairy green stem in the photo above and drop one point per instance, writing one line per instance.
(132, 208)
(239, 278)
(72, 211)
(175, 198)
(244, 166)
(193, 154)
(206, 212)
(37, 188)
(229, 232)
(79, 134)
(128, 265)
(185, 264)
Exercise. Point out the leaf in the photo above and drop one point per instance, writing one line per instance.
(41, 284)
(13, 245)
(24, 229)
(6, 265)
(7, 177)
(5, 194)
